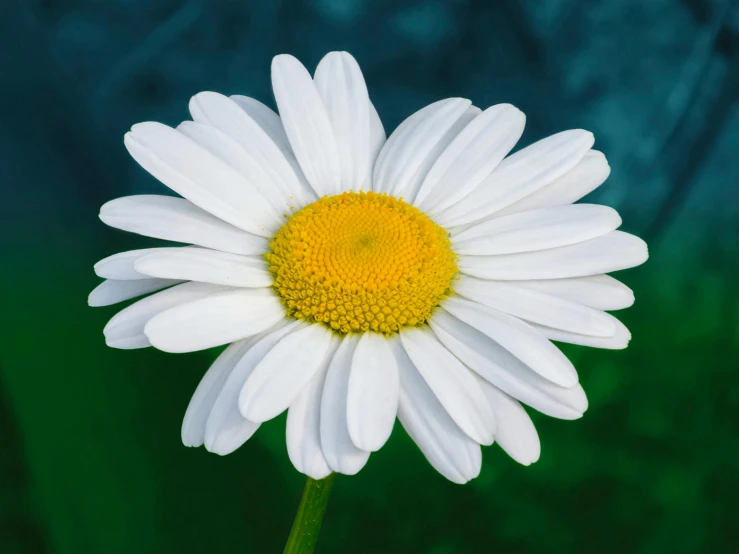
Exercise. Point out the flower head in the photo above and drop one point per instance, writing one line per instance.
(357, 280)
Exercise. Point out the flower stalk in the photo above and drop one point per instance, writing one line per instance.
(307, 524)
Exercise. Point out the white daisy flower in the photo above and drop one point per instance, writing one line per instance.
(358, 279)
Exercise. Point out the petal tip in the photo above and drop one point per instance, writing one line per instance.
(284, 59)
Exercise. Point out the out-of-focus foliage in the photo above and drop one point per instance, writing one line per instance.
(90, 460)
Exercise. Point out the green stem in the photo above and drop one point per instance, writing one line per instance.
(307, 524)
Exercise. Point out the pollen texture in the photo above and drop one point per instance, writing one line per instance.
(361, 262)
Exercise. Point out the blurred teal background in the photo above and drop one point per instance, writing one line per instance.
(90, 456)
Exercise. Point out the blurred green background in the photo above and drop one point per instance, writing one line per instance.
(91, 459)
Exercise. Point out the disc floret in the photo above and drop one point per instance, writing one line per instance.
(361, 262)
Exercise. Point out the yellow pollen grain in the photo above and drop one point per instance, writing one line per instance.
(361, 262)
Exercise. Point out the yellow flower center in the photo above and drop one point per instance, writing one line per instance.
(361, 262)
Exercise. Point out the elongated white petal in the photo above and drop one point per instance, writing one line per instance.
(304, 425)
(307, 124)
(226, 429)
(585, 177)
(204, 398)
(415, 145)
(228, 150)
(612, 252)
(519, 338)
(218, 319)
(618, 341)
(372, 397)
(268, 120)
(453, 383)
(265, 160)
(341, 86)
(516, 432)
(283, 372)
(377, 141)
(601, 292)
(340, 452)
(207, 266)
(120, 266)
(472, 155)
(519, 175)
(177, 219)
(535, 306)
(111, 291)
(497, 365)
(447, 448)
(126, 329)
(207, 181)
(537, 230)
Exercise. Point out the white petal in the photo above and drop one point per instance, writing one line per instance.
(126, 329)
(307, 124)
(519, 175)
(120, 266)
(340, 452)
(226, 429)
(204, 398)
(377, 141)
(272, 125)
(618, 341)
(415, 145)
(516, 432)
(585, 177)
(447, 448)
(177, 219)
(504, 370)
(207, 266)
(207, 181)
(472, 155)
(612, 252)
(284, 371)
(228, 150)
(519, 338)
(341, 85)
(453, 384)
(535, 306)
(218, 319)
(372, 398)
(266, 160)
(304, 425)
(111, 291)
(537, 230)
(267, 119)
(601, 292)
